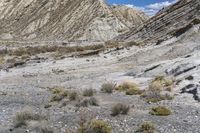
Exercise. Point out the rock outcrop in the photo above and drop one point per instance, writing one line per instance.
(69, 20)
(171, 21)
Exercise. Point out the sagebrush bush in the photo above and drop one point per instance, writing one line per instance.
(119, 109)
(108, 87)
(88, 92)
(160, 111)
(146, 127)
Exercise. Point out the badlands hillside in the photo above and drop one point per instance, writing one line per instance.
(81, 66)
(67, 20)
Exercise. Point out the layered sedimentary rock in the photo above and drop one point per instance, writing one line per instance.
(62, 20)
(170, 22)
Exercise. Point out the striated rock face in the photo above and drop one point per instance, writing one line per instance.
(64, 20)
(169, 22)
(130, 16)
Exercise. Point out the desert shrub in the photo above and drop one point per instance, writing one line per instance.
(73, 96)
(134, 91)
(108, 87)
(146, 127)
(132, 43)
(25, 115)
(88, 92)
(120, 109)
(46, 106)
(2, 60)
(43, 129)
(57, 90)
(125, 86)
(156, 87)
(94, 126)
(86, 102)
(160, 111)
(100, 126)
(58, 94)
(160, 83)
(130, 88)
(56, 98)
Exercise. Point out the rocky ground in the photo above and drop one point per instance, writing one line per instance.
(29, 85)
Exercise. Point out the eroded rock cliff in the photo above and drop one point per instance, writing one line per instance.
(170, 22)
(64, 20)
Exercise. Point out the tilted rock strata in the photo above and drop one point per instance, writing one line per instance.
(59, 20)
(171, 21)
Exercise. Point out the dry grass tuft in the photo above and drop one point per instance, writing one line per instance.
(73, 96)
(2, 60)
(86, 102)
(146, 127)
(156, 87)
(120, 109)
(25, 115)
(130, 88)
(58, 94)
(108, 87)
(95, 126)
(88, 92)
(160, 111)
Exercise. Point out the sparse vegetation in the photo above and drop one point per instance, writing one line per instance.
(73, 96)
(88, 92)
(86, 102)
(160, 111)
(156, 87)
(58, 94)
(146, 127)
(2, 60)
(43, 129)
(95, 126)
(25, 115)
(100, 126)
(120, 109)
(108, 87)
(130, 88)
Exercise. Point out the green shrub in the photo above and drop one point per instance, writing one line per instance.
(88, 93)
(108, 87)
(119, 109)
(146, 127)
(160, 111)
